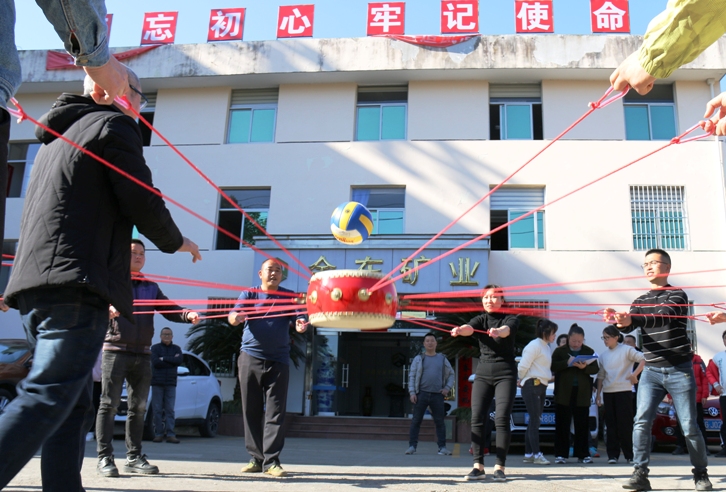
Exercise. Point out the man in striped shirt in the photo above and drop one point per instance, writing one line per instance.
(661, 315)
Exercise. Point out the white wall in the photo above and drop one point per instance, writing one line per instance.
(316, 113)
(448, 110)
(191, 116)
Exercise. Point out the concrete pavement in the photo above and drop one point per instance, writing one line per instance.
(316, 465)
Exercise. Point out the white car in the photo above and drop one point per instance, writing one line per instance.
(198, 400)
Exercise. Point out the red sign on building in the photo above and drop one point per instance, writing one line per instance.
(534, 16)
(386, 18)
(226, 25)
(610, 15)
(159, 28)
(459, 16)
(109, 21)
(295, 21)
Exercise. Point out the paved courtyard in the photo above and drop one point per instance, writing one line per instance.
(315, 465)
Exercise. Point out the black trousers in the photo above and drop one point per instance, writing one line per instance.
(493, 381)
(263, 385)
(564, 414)
(4, 138)
(618, 409)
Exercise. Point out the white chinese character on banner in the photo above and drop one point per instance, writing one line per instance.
(609, 17)
(532, 16)
(159, 28)
(226, 24)
(456, 19)
(385, 17)
(289, 22)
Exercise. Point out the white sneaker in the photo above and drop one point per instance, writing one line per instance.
(560, 460)
(541, 460)
(528, 459)
(90, 437)
(444, 452)
(411, 450)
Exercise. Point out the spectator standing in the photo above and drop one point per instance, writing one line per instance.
(496, 376)
(573, 394)
(429, 381)
(535, 373)
(716, 374)
(165, 359)
(702, 391)
(615, 381)
(127, 356)
(562, 340)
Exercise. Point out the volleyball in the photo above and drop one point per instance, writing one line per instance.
(351, 223)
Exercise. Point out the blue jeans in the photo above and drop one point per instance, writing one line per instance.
(655, 382)
(434, 401)
(54, 407)
(162, 400)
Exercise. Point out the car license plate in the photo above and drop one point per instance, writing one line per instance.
(713, 425)
(548, 419)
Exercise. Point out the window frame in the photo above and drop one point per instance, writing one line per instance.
(380, 106)
(27, 167)
(649, 105)
(252, 108)
(375, 211)
(658, 205)
(502, 103)
(535, 221)
(243, 219)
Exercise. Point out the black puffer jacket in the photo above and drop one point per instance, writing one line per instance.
(79, 214)
(164, 362)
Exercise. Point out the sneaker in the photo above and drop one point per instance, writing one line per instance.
(679, 450)
(594, 453)
(612, 461)
(90, 436)
(499, 476)
(701, 480)
(253, 466)
(443, 451)
(528, 459)
(638, 481)
(586, 460)
(560, 460)
(158, 439)
(475, 474)
(276, 471)
(485, 453)
(411, 450)
(721, 454)
(172, 439)
(139, 464)
(107, 467)
(541, 460)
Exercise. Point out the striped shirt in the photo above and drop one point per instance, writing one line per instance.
(661, 316)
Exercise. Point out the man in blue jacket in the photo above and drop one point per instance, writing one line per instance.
(165, 358)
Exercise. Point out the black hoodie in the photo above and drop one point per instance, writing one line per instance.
(79, 214)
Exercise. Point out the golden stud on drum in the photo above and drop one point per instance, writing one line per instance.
(341, 299)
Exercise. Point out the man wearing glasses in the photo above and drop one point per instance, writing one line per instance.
(661, 315)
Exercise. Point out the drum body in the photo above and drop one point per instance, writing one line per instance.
(341, 299)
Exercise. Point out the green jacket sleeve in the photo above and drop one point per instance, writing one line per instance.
(680, 33)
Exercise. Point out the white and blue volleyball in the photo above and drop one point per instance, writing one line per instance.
(351, 223)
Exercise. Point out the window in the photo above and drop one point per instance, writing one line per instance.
(252, 116)
(515, 112)
(381, 113)
(20, 163)
(659, 217)
(509, 203)
(386, 205)
(650, 117)
(254, 201)
(148, 114)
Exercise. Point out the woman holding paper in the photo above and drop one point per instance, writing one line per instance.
(496, 375)
(573, 364)
(615, 382)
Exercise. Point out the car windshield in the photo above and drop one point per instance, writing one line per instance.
(10, 352)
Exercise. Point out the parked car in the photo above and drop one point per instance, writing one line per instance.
(664, 425)
(15, 361)
(198, 400)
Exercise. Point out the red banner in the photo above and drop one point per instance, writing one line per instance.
(534, 16)
(60, 60)
(109, 21)
(295, 21)
(459, 16)
(159, 28)
(433, 41)
(226, 25)
(386, 18)
(610, 16)
(463, 392)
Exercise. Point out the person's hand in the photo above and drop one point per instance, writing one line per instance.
(414, 399)
(716, 317)
(608, 315)
(494, 332)
(519, 383)
(113, 312)
(455, 332)
(633, 379)
(598, 400)
(110, 81)
(300, 325)
(445, 392)
(236, 318)
(190, 247)
(715, 110)
(3, 307)
(703, 401)
(580, 365)
(193, 317)
(631, 73)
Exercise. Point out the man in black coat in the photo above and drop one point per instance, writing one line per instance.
(165, 358)
(73, 260)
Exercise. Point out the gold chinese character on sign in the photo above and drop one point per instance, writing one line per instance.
(412, 278)
(322, 265)
(367, 264)
(465, 275)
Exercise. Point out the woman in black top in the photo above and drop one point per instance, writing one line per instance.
(496, 376)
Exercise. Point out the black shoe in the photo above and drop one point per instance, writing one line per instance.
(475, 474)
(139, 464)
(721, 454)
(701, 480)
(679, 450)
(107, 467)
(499, 476)
(638, 481)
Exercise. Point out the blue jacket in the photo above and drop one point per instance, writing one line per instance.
(164, 361)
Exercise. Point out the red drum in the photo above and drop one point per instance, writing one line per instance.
(340, 299)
